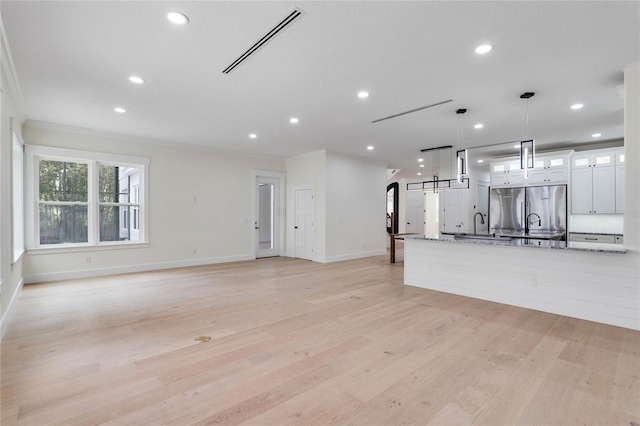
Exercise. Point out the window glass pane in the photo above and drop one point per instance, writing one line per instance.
(116, 182)
(115, 224)
(63, 224)
(63, 181)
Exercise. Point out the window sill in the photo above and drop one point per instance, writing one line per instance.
(85, 248)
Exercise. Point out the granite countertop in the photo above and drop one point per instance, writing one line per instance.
(527, 242)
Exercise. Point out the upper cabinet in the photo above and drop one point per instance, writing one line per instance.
(550, 168)
(506, 173)
(597, 182)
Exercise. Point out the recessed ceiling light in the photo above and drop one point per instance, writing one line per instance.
(370, 147)
(420, 160)
(478, 126)
(253, 135)
(480, 161)
(484, 48)
(136, 79)
(516, 146)
(576, 106)
(177, 18)
(363, 94)
(421, 165)
(419, 174)
(293, 120)
(120, 110)
(596, 135)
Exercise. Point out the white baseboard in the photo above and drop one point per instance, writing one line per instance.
(98, 272)
(351, 256)
(7, 312)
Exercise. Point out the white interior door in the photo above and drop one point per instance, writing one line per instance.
(304, 219)
(415, 212)
(266, 221)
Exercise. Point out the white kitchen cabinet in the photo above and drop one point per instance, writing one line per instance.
(594, 182)
(506, 173)
(620, 189)
(604, 194)
(581, 191)
(549, 169)
(619, 153)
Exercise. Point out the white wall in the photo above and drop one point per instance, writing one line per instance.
(308, 170)
(199, 200)
(350, 204)
(632, 157)
(356, 206)
(11, 274)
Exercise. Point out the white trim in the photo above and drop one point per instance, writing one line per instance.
(84, 247)
(281, 207)
(99, 272)
(10, 306)
(351, 256)
(86, 156)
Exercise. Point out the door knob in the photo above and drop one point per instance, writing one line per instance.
(295, 227)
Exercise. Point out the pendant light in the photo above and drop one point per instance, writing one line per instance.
(527, 146)
(461, 153)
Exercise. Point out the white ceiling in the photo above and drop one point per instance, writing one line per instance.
(73, 60)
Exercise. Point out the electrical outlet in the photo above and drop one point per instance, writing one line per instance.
(534, 281)
(87, 259)
(195, 251)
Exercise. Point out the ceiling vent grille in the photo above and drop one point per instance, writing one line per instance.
(295, 14)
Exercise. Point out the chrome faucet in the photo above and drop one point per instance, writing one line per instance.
(528, 222)
(475, 231)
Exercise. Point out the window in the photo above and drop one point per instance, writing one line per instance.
(17, 188)
(83, 198)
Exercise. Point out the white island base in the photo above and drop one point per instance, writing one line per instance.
(591, 285)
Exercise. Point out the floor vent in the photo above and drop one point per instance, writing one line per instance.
(295, 14)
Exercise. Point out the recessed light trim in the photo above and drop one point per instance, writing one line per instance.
(294, 120)
(252, 135)
(421, 165)
(370, 148)
(596, 135)
(480, 161)
(478, 126)
(577, 106)
(135, 79)
(120, 110)
(177, 18)
(419, 174)
(363, 94)
(420, 160)
(483, 48)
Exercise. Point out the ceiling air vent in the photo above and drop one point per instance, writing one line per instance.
(295, 14)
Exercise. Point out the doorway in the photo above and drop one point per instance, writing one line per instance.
(304, 213)
(267, 217)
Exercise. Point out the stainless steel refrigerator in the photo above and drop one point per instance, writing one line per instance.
(539, 211)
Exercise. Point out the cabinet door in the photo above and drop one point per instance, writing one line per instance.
(581, 191)
(498, 179)
(557, 175)
(620, 189)
(515, 177)
(604, 194)
(537, 176)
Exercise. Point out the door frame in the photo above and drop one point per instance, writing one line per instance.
(295, 188)
(279, 209)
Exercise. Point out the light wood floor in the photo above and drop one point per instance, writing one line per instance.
(295, 342)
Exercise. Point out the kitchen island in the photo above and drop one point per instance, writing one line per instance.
(593, 282)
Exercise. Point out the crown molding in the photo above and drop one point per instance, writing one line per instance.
(10, 71)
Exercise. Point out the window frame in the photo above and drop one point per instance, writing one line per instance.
(36, 153)
(17, 197)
